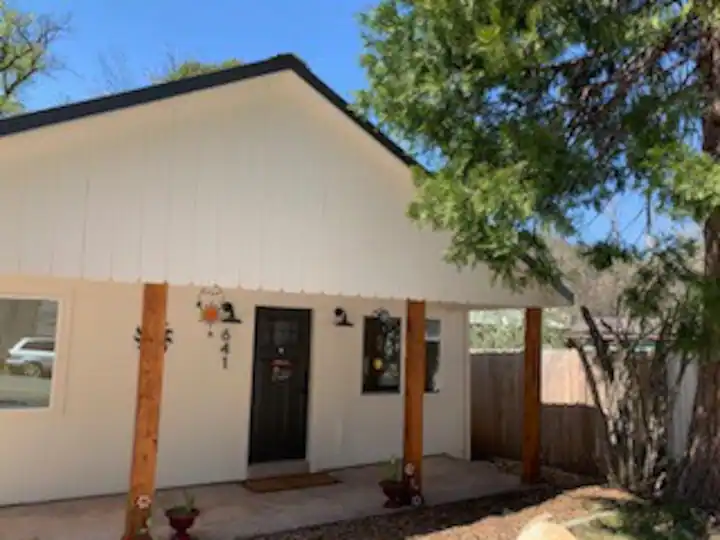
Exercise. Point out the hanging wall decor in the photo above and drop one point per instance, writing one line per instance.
(383, 315)
(169, 336)
(341, 317)
(281, 369)
(214, 309)
(209, 302)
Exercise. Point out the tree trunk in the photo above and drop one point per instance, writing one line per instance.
(700, 478)
(699, 482)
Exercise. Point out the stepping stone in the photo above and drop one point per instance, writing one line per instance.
(545, 530)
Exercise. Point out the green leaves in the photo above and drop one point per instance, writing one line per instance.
(25, 41)
(192, 68)
(540, 111)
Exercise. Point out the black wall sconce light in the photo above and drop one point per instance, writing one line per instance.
(341, 317)
(228, 314)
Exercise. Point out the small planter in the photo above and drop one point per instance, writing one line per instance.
(396, 493)
(181, 521)
(401, 487)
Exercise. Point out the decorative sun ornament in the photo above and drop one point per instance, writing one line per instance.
(209, 303)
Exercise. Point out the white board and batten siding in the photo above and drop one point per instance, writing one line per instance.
(81, 445)
(261, 185)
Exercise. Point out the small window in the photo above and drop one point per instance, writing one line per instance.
(39, 345)
(432, 354)
(27, 352)
(381, 355)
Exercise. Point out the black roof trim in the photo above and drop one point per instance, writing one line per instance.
(157, 92)
(124, 100)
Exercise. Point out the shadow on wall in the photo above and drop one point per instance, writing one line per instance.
(569, 437)
(570, 423)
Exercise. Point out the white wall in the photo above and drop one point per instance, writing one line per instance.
(81, 445)
(261, 185)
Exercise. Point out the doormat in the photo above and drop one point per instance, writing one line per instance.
(288, 482)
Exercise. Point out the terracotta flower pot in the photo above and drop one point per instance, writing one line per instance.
(181, 522)
(396, 493)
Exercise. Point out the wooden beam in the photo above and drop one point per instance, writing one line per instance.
(147, 408)
(531, 396)
(414, 386)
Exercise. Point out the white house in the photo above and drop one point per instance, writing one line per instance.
(254, 186)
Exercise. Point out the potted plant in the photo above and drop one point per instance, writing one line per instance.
(182, 517)
(393, 486)
(400, 485)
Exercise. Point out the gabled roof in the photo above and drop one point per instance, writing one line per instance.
(157, 92)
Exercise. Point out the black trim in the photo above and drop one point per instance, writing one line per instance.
(157, 92)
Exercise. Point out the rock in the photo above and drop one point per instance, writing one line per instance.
(545, 530)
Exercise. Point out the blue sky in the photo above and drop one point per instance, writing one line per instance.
(113, 45)
(136, 37)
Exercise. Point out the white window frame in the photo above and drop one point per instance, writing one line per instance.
(58, 381)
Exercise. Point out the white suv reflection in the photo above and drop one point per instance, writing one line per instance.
(32, 357)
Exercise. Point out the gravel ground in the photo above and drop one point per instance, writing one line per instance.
(490, 518)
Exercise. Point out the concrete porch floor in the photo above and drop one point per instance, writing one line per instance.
(230, 511)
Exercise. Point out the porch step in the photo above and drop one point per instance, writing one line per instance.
(277, 468)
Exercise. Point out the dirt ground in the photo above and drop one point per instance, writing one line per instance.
(492, 518)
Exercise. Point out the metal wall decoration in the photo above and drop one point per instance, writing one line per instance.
(169, 336)
(209, 302)
(215, 309)
(341, 317)
(389, 340)
(383, 315)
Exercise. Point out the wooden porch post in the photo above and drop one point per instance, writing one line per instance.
(531, 396)
(414, 386)
(147, 408)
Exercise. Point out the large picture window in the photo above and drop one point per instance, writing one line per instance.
(381, 355)
(432, 354)
(27, 351)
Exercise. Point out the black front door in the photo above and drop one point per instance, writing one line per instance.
(278, 422)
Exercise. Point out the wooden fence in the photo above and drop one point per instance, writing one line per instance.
(569, 419)
(570, 428)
